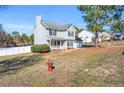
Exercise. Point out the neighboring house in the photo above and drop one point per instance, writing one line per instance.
(57, 36)
(105, 36)
(86, 36)
(118, 36)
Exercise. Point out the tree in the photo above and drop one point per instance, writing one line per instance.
(78, 30)
(2, 36)
(9, 40)
(15, 35)
(117, 22)
(2, 32)
(32, 39)
(99, 16)
(19, 41)
(118, 26)
(25, 39)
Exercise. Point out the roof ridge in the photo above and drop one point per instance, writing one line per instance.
(55, 26)
(51, 22)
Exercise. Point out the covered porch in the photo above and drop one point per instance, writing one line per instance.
(56, 42)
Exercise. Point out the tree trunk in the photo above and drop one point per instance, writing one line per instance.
(96, 39)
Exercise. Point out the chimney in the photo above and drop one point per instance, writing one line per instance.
(38, 19)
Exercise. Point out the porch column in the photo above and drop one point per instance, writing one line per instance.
(60, 44)
(50, 43)
(56, 44)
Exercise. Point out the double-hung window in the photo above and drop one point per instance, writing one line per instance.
(52, 32)
(71, 33)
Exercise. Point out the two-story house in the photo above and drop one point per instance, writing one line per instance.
(57, 36)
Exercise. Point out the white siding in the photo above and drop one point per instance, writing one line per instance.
(85, 36)
(65, 45)
(40, 32)
(72, 28)
(64, 34)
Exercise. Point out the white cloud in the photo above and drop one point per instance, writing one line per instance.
(20, 26)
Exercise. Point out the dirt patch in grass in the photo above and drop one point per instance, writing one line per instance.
(17, 62)
(80, 67)
(104, 68)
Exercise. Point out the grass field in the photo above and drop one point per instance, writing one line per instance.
(79, 67)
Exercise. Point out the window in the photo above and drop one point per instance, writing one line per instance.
(70, 33)
(58, 43)
(55, 43)
(70, 43)
(52, 32)
(52, 43)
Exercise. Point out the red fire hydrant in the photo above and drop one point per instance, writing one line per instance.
(50, 66)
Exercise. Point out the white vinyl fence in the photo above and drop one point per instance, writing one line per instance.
(14, 50)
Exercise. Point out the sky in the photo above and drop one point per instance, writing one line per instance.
(22, 18)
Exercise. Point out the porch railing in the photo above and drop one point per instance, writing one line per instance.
(56, 47)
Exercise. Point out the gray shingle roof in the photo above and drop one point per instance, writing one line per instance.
(55, 26)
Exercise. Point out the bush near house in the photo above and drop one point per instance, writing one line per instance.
(40, 48)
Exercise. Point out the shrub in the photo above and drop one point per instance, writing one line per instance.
(40, 48)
